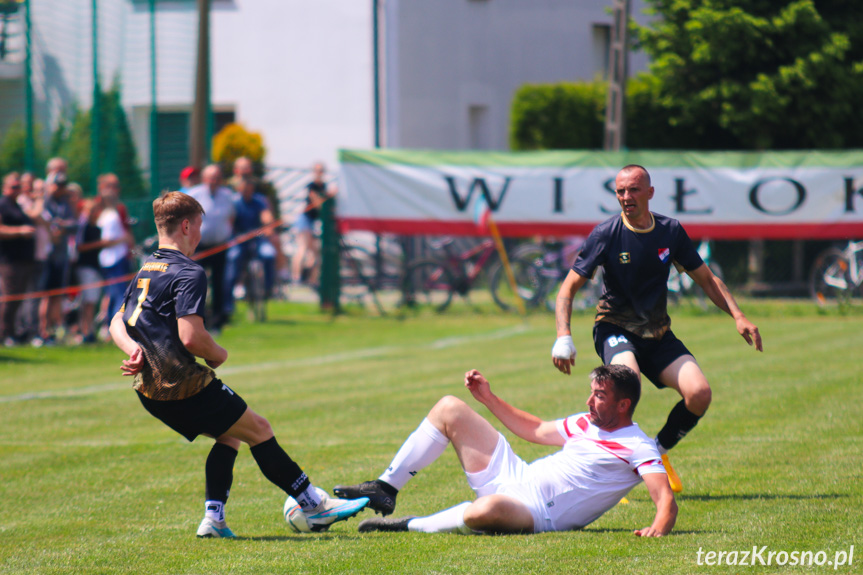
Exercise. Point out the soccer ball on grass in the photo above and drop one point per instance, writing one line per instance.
(294, 516)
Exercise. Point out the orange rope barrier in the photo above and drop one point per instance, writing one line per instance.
(242, 238)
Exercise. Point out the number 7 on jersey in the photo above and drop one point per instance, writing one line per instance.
(144, 285)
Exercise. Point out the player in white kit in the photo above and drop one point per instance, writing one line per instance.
(604, 456)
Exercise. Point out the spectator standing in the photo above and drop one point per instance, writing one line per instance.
(316, 194)
(243, 169)
(17, 249)
(253, 212)
(32, 201)
(88, 271)
(62, 222)
(217, 228)
(116, 241)
(189, 178)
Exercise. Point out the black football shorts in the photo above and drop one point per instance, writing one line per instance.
(652, 355)
(211, 411)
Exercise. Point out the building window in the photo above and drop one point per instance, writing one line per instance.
(479, 128)
(601, 39)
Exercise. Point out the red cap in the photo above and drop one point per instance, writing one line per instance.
(188, 172)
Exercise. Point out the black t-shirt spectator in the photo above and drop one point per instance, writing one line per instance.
(319, 189)
(89, 258)
(15, 249)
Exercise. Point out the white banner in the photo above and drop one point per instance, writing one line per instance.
(719, 195)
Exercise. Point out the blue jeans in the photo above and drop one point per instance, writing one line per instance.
(238, 260)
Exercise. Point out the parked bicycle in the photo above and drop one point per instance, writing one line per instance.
(432, 282)
(371, 276)
(251, 274)
(837, 274)
(539, 269)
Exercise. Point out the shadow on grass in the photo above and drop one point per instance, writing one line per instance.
(757, 496)
(622, 530)
(309, 538)
(8, 359)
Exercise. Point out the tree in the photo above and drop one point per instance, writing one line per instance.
(556, 116)
(757, 74)
(13, 150)
(116, 152)
(234, 141)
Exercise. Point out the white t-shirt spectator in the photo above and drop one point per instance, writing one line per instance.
(217, 226)
(112, 229)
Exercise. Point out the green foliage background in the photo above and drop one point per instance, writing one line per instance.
(740, 75)
(117, 151)
(72, 140)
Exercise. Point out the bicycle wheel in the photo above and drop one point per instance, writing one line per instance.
(829, 281)
(527, 266)
(427, 284)
(354, 266)
(586, 298)
(256, 291)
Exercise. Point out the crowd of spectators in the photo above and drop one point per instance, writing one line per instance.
(56, 248)
(64, 253)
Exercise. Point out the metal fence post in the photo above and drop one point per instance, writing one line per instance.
(329, 290)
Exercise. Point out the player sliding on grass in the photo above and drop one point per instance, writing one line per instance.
(161, 328)
(604, 456)
(636, 250)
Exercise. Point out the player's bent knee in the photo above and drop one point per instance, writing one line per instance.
(262, 426)
(701, 395)
(447, 407)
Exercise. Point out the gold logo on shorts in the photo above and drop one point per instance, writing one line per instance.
(624, 257)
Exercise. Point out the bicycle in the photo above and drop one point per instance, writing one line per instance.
(539, 269)
(432, 282)
(837, 274)
(254, 277)
(365, 276)
(682, 287)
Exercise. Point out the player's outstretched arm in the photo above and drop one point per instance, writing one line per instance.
(525, 425)
(721, 296)
(666, 506)
(199, 342)
(563, 353)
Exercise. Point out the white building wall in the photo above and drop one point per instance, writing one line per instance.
(301, 73)
(455, 55)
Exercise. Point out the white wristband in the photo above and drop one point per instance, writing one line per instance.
(564, 348)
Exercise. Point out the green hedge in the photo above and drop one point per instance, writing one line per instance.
(571, 116)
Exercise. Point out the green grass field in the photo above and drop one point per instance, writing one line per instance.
(90, 483)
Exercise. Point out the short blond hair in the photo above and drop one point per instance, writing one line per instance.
(171, 208)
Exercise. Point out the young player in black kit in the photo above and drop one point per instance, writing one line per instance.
(161, 329)
(636, 250)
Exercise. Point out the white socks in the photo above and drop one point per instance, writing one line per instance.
(662, 450)
(214, 510)
(420, 449)
(447, 521)
(309, 499)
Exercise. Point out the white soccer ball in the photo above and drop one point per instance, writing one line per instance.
(294, 516)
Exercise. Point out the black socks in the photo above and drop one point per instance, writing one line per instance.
(220, 472)
(279, 468)
(680, 422)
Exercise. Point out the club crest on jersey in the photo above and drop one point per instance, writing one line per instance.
(624, 257)
(664, 253)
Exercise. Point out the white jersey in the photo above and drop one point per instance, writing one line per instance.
(593, 472)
